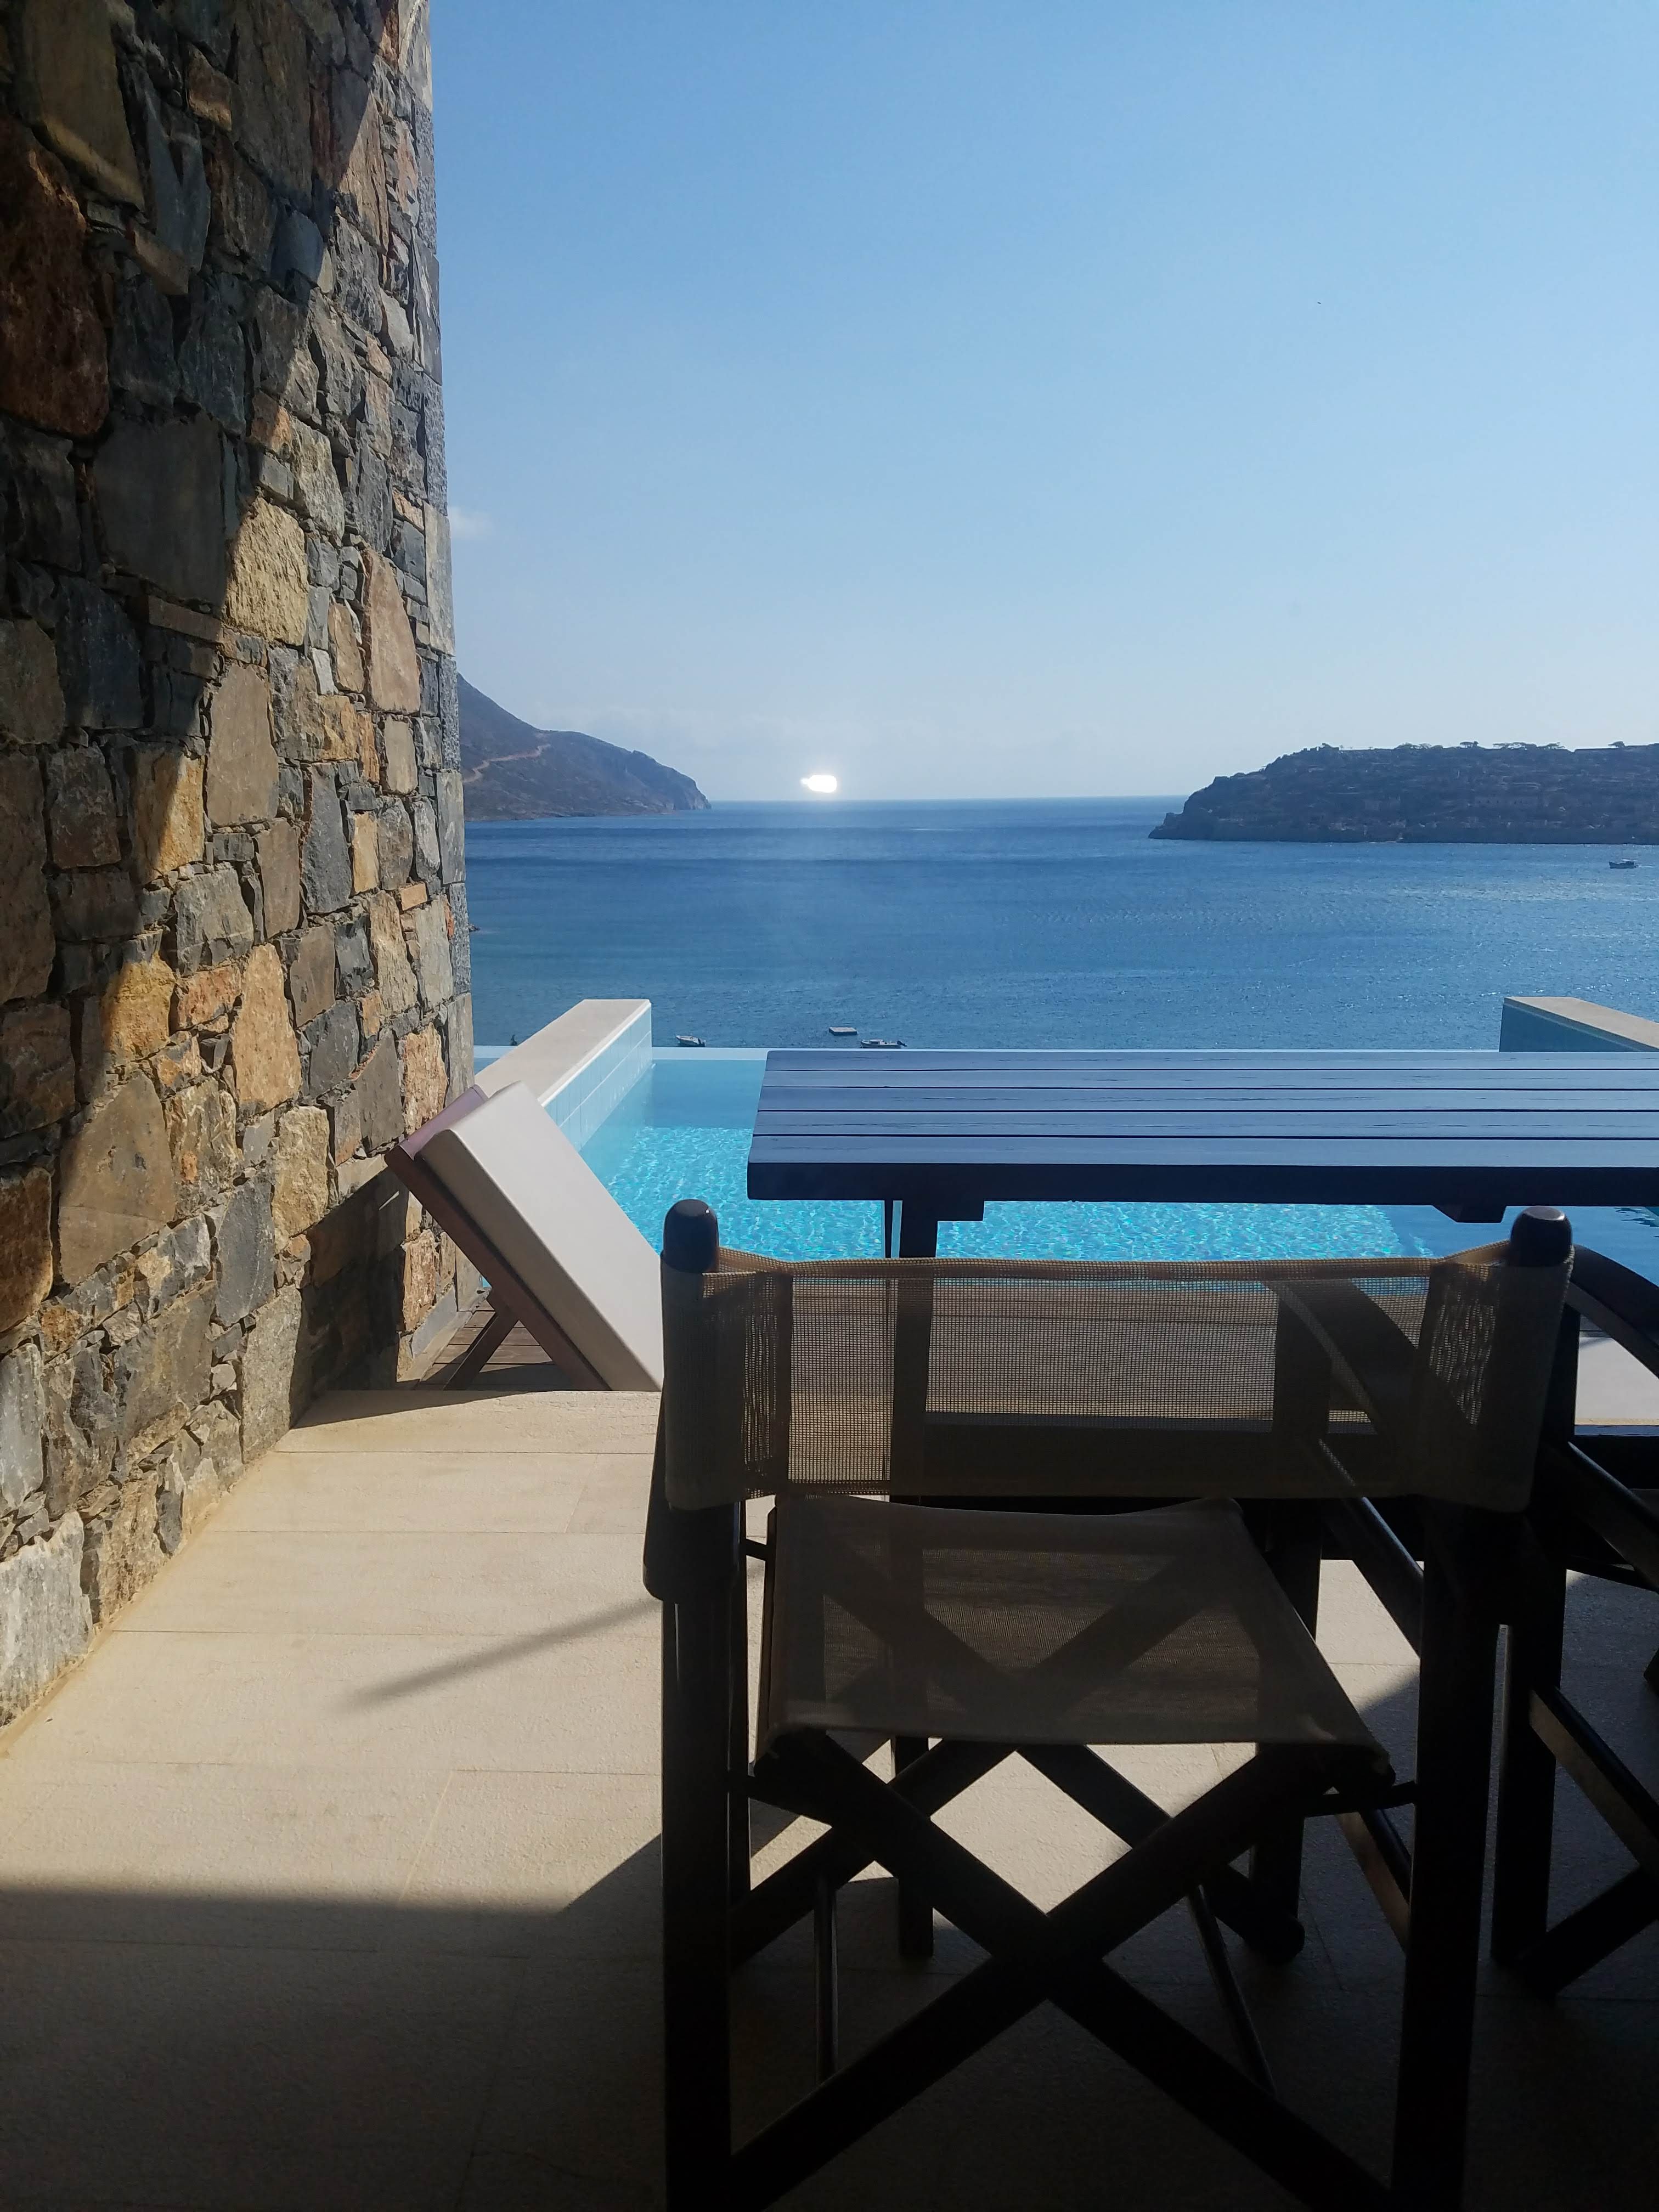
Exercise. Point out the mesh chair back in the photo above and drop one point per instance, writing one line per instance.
(1052, 1378)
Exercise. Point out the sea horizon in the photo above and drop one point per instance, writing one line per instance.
(1034, 921)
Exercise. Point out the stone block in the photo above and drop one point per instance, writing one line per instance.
(420, 1280)
(428, 864)
(394, 668)
(356, 154)
(178, 1064)
(208, 93)
(189, 1485)
(347, 733)
(352, 954)
(311, 974)
(401, 768)
(208, 995)
(27, 942)
(332, 1042)
(357, 278)
(25, 1244)
(122, 1551)
(142, 362)
(241, 761)
(265, 1054)
(395, 844)
(97, 660)
(37, 1068)
(38, 519)
(457, 1024)
(301, 1194)
(179, 200)
(316, 480)
(178, 1260)
(394, 977)
(273, 1378)
(22, 1420)
(161, 1376)
(135, 1012)
(451, 834)
(80, 1438)
(167, 830)
(54, 362)
(44, 1619)
(201, 1126)
(211, 360)
(246, 1254)
(243, 219)
(70, 60)
(365, 853)
(425, 1084)
(93, 905)
(269, 592)
(296, 251)
(160, 496)
(118, 1184)
(211, 919)
(325, 857)
(345, 1117)
(31, 697)
(80, 809)
(279, 877)
(430, 930)
(273, 97)
(380, 1098)
(343, 644)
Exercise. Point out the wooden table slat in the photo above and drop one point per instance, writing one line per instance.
(1425, 1127)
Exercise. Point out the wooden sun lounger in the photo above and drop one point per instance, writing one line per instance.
(557, 1252)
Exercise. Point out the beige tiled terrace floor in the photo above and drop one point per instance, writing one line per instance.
(329, 1881)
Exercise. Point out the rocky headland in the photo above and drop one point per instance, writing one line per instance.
(512, 773)
(1435, 795)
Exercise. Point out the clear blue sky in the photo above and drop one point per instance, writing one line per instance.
(1053, 396)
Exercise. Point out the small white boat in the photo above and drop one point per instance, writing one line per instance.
(833, 1032)
(881, 1044)
(688, 1040)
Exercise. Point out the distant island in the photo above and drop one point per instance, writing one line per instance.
(1434, 796)
(512, 773)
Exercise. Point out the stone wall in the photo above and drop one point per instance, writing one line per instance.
(234, 947)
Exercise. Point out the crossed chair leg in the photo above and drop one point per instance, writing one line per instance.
(1032, 1956)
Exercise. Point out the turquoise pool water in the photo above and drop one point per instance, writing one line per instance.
(682, 1132)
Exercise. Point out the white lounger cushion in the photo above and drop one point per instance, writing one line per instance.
(555, 1225)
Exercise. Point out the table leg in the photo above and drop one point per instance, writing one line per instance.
(918, 1231)
(1453, 1759)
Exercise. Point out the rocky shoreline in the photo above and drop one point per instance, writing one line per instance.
(1434, 794)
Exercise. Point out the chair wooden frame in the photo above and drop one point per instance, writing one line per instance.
(1590, 1522)
(714, 1916)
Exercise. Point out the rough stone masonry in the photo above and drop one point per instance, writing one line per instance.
(234, 946)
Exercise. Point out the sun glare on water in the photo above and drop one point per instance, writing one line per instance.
(822, 787)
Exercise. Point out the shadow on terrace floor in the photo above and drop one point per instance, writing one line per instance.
(330, 1880)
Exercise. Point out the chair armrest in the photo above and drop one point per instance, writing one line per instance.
(1623, 1303)
(687, 1553)
(1370, 1354)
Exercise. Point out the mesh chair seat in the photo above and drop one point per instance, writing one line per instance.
(1157, 1627)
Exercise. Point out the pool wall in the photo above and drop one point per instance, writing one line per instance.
(582, 1066)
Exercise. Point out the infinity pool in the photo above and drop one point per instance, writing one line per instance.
(682, 1132)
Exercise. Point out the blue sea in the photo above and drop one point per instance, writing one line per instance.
(1057, 923)
(1038, 922)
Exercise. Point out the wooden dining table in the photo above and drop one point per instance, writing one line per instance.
(940, 1134)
